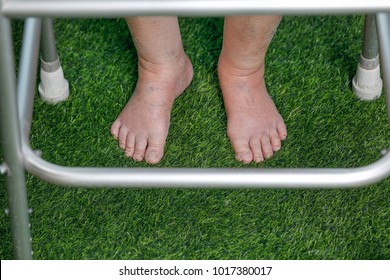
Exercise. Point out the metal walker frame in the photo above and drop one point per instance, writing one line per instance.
(16, 103)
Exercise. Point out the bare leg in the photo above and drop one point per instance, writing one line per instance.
(254, 126)
(164, 72)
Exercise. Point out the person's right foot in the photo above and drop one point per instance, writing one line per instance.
(142, 127)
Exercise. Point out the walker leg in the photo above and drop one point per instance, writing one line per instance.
(367, 84)
(53, 87)
(13, 167)
(383, 21)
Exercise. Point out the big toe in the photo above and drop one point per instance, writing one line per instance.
(155, 150)
(242, 150)
(154, 156)
(115, 129)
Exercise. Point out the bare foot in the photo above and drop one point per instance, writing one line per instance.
(142, 127)
(254, 126)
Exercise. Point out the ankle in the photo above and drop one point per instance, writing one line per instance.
(175, 74)
(231, 67)
(168, 64)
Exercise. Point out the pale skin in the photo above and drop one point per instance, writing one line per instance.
(254, 126)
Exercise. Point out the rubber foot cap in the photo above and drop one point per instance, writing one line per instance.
(53, 87)
(367, 84)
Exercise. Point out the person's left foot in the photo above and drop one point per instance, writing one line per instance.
(254, 125)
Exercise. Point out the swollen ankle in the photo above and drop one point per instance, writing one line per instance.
(175, 75)
(239, 69)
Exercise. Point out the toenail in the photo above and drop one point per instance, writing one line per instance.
(241, 159)
(138, 157)
(259, 159)
(152, 155)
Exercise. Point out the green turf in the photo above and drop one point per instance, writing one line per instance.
(310, 64)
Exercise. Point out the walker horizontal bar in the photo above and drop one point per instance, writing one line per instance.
(121, 8)
(193, 178)
(206, 177)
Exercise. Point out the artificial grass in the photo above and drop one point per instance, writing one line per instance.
(310, 64)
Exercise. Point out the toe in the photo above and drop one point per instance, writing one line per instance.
(140, 147)
(245, 156)
(266, 147)
(242, 150)
(275, 141)
(282, 130)
(115, 129)
(153, 157)
(155, 149)
(255, 146)
(122, 137)
(130, 145)
(154, 154)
